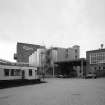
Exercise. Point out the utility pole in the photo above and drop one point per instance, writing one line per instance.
(53, 70)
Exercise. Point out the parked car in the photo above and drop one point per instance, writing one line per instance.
(59, 76)
(91, 75)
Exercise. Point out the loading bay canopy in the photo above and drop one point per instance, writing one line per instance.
(66, 67)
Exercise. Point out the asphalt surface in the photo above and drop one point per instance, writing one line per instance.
(57, 92)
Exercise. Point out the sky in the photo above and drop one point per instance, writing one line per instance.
(61, 23)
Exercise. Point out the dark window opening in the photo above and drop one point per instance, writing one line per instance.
(30, 72)
(12, 72)
(66, 55)
(95, 68)
(15, 72)
(19, 72)
(76, 57)
(76, 50)
(6, 72)
(99, 68)
(35, 70)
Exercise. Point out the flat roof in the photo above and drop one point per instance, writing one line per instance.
(97, 50)
(72, 62)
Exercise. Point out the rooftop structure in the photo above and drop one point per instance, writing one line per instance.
(24, 50)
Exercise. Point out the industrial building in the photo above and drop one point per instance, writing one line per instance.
(38, 60)
(38, 57)
(72, 68)
(10, 71)
(96, 62)
(46, 58)
(24, 50)
(65, 54)
(56, 55)
(52, 61)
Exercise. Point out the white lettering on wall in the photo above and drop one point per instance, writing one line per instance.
(27, 48)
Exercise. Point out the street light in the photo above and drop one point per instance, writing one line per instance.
(42, 61)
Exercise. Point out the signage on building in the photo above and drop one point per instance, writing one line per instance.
(27, 48)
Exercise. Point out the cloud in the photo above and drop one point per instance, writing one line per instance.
(56, 22)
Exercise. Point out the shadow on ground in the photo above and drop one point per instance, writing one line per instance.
(18, 83)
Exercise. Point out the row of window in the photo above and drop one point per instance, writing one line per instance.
(15, 72)
(97, 62)
(68, 53)
(100, 68)
(12, 72)
(30, 72)
(96, 58)
(98, 54)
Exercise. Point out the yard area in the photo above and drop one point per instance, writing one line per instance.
(57, 92)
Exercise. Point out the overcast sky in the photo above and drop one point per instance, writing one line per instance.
(62, 23)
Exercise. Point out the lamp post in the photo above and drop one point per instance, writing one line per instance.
(42, 60)
(53, 70)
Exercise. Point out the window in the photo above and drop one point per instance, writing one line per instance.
(104, 67)
(12, 72)
(6, 72)
(99, 68)
(15, 72)
(76, 50)
(66, 54)
(35, 72)
(95, 68)
(18, 72)
(30, 72)
(76, 57)
(96, 58)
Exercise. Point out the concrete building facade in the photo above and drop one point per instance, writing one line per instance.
(24, 50)
(57, 54)
(38, 58)
(45, 59)
(96, 62)
(65, 54)
(73, 53)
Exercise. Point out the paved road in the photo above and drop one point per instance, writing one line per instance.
(57, 92)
